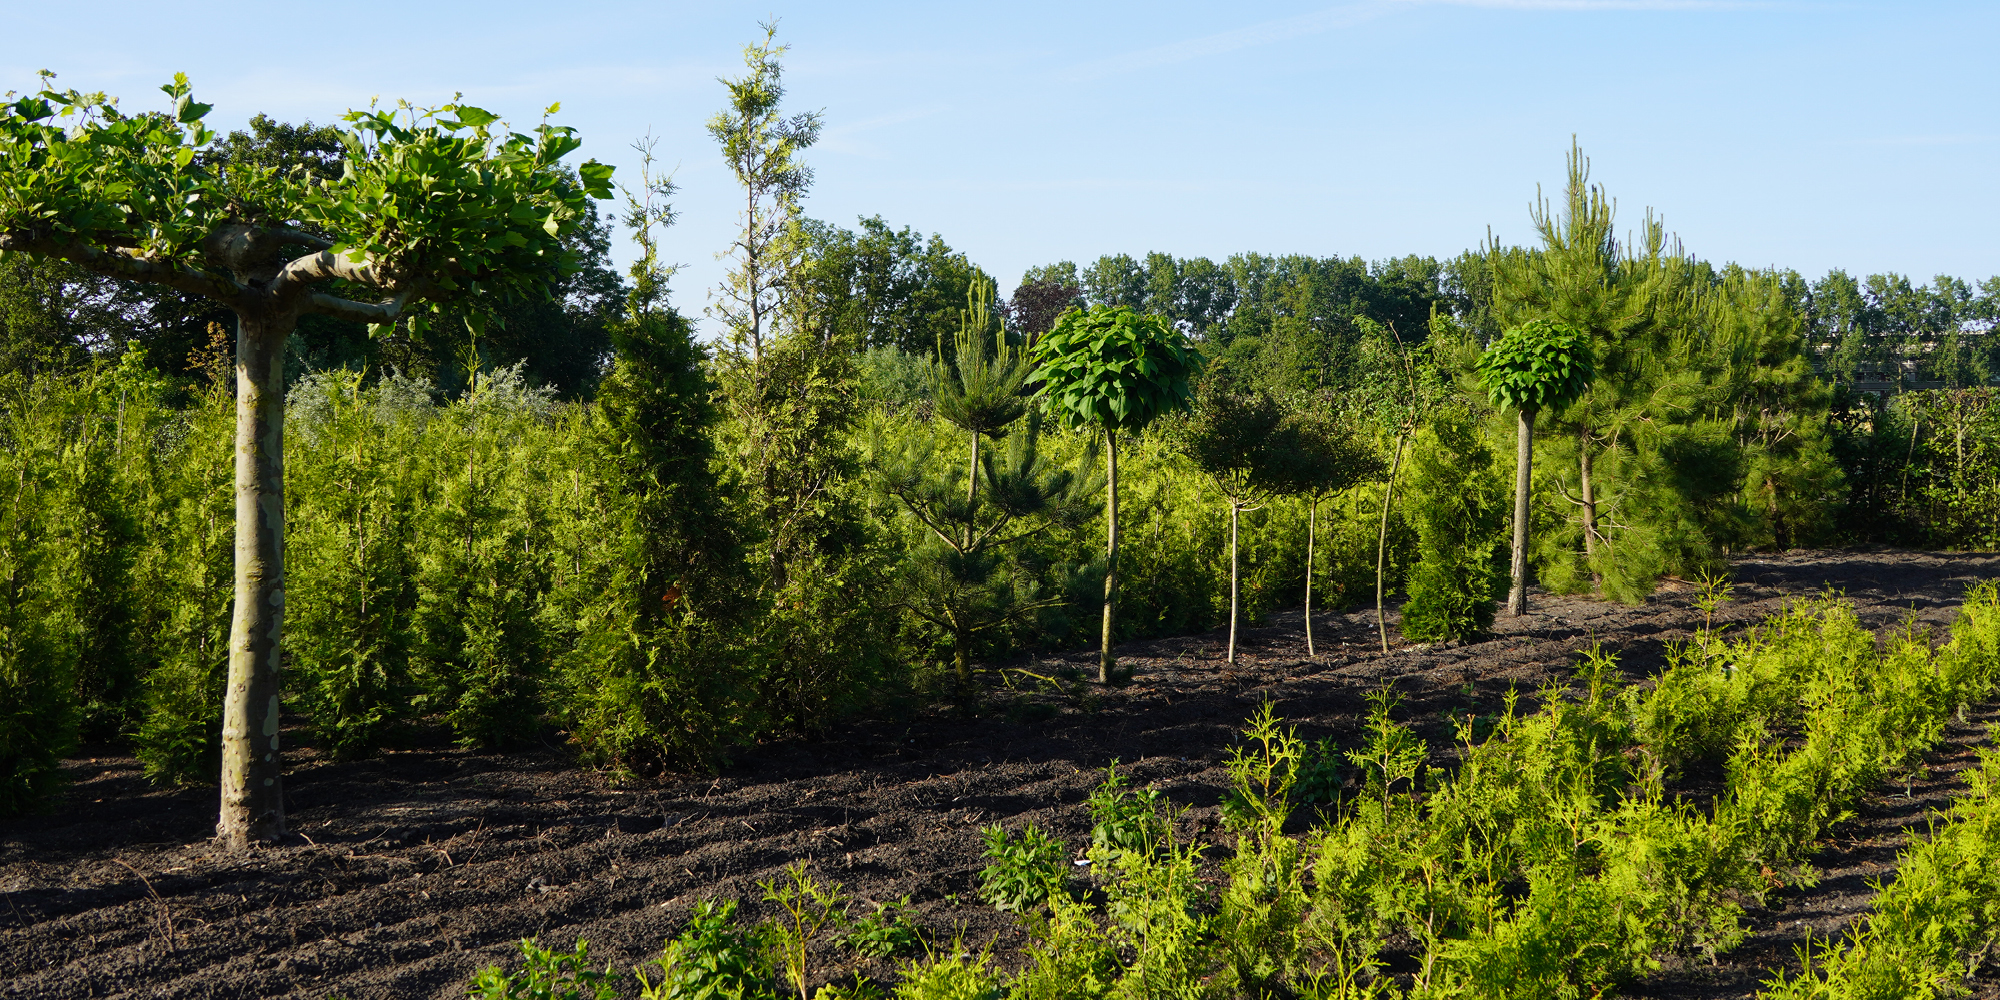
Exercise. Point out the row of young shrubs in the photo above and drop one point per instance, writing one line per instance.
(1933, 927)
(1565, 855)
(477, 562)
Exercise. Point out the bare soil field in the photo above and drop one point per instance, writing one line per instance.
(411, 871)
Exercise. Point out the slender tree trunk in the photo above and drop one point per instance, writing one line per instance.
(972, 489)
(253, 806)
(754, 275)
(1916, 425)
(1105, 659)
(1382, 543)
(1312, 518)
(1524, 458)
(1234, 509)
(1589, 509)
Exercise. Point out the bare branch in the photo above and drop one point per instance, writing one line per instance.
(120, 264)
(359, 312)
(327, 266)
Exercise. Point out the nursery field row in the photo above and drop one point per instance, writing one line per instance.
(1560, 857)
(431, 862)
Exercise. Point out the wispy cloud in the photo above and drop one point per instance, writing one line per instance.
(1348, 15)
(1602, 5)
(1262, 33)
(846, 138)
(1941, 139)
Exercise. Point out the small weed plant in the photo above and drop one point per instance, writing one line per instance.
(1122, 818)
(886, 933)
(714, 958)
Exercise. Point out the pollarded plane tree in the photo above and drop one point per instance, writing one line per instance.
(434, 209)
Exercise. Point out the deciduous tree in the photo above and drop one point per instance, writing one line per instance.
(1233, 436)
(1114, 370)
(435, 208)
(1537, 366)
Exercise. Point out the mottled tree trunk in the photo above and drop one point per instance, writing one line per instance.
(1234, 509)
(1382, 543)
(1105, 659)
(1524, 458)
(253, 808)
(1312, 518)
(1589, 488)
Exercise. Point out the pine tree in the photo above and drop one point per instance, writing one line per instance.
(965, 580)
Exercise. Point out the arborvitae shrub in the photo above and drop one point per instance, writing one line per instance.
(39, 634)
(350, 586)
(481, 562)
(1458, 502)
(650, 671)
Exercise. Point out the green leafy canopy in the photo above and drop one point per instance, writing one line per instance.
(433, 205)
(1538, 365)
(1113, 367)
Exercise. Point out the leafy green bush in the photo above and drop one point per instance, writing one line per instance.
(952, 974)
(713, 959)
(481, 566)
(548, 975)
(885, 933)
(189, 517)
(1123, 819)
(1069, 956)
(350, 502)
(40, 636)
(1024, 872)
(1318, 779)
(1927, 931)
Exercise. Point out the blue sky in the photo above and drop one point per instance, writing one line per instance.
(1800, 134)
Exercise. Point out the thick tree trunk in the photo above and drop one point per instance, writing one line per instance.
(1105, 659)
(1524, 458)
(253, 807)
(1589, 509)
(1312, 518)
(1234, 510)
(1382, 543)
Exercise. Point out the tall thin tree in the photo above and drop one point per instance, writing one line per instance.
(1320, 458)
(1113, 370)
(1539, 365)
(762, 148)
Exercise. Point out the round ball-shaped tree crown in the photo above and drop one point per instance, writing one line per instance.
(1539, 365)
(1114, 368)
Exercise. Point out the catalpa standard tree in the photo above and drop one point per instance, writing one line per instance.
(436, 209)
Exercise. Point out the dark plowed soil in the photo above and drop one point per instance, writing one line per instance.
(412, 871)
